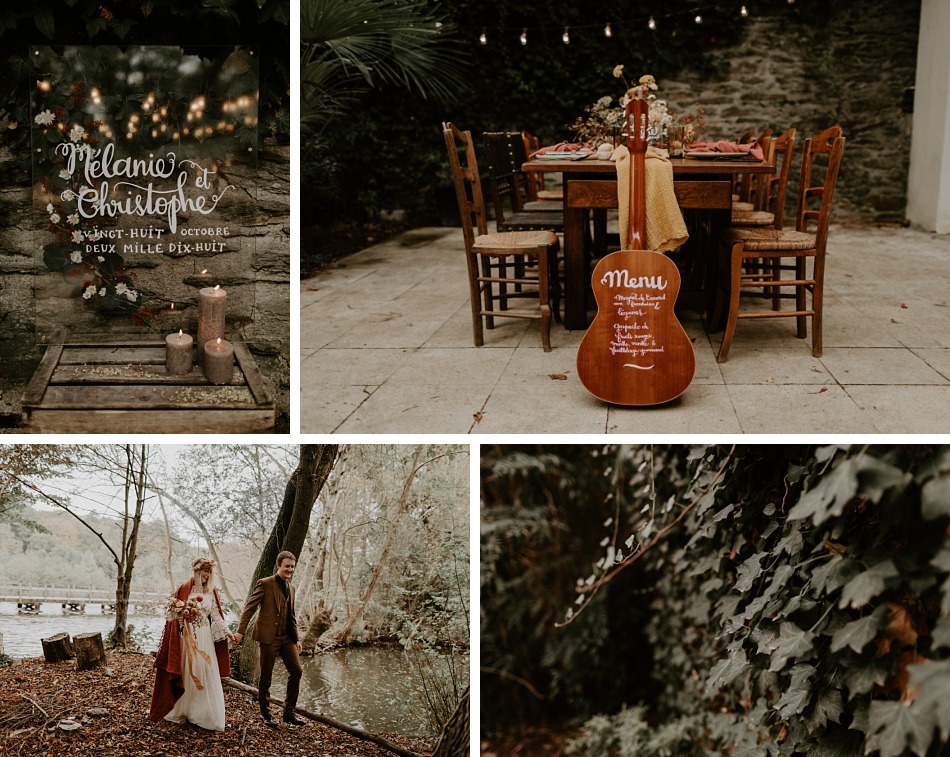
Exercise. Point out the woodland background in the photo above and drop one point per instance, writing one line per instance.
(744, 601)
(383, 546)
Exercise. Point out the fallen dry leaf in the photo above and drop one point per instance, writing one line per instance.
(900, 626)
(477, 416)
(557, 376)
(903, 306)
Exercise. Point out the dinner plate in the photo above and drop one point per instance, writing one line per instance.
(567, 154)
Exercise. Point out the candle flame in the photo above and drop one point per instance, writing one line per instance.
(173, 306)
(205, 270)
(219, 342)
(217, 287)
(179, 335)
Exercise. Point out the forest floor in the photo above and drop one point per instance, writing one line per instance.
(123, 689)
(535, 743)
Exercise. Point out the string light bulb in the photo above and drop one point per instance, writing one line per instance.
(608, 32)
(483, 38)
(744, 11)
(652, 23)
(698, 19)
(524, 37)
(566, 37)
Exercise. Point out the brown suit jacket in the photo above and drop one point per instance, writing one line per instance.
(273, 611)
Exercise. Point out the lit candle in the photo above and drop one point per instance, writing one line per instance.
(212, 304)
(178, 353)
(219, 361)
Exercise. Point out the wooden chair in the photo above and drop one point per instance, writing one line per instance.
(488, 255)
(505, 155)
(740, 246)
(770, 199)
(536, 188)
(749, 187)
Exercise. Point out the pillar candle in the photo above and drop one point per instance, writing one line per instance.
(178, 353)
(212, 304)
(219, 361)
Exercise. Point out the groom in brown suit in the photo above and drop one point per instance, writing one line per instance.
(276, 632)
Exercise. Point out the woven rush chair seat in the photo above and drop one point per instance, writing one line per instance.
(753, 218)
(515, 239)
(739, 205)
(766, 240)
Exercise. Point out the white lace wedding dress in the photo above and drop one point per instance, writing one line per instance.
(204, 707)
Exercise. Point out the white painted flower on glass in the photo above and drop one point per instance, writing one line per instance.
(68, 195)
(76, 256)
(121, 289)
(45, 118)
(131, 295)
(102, 292)
(100, 258)
(64, 174)
(77, 133)
(77, 237)
(73, 218)
(54, 218)
(89, 291)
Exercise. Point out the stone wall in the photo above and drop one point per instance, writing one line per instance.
(849, 65)
(267, 282)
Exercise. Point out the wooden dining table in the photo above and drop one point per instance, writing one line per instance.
(703, 188)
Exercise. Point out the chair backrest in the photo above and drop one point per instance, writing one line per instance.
(535, 179)
(748, 187)
(831, 143)
(468, 185)
(505, 155)
(773, 192)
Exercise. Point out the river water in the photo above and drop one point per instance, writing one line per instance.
(377, 689)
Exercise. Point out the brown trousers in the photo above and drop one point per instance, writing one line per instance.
(285, 648)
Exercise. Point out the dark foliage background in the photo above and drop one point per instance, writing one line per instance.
(388, 153)
(800, 605)
(201, 27)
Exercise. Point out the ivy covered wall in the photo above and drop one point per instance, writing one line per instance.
(770, 600)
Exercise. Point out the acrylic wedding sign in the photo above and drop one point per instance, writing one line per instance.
(636, 351)
(144, 168)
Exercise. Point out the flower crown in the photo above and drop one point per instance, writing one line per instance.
(200, 563)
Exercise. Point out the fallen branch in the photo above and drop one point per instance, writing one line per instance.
(352, 730)
(36, 705)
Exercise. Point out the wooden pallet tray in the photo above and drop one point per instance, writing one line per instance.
(119, 385)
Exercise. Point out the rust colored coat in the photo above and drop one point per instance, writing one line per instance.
(169, 685)
(274, 609)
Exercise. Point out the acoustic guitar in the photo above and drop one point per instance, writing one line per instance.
(636, 351)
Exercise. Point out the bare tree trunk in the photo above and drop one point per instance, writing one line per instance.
(168, 541)
(401, 506)
(453, 741)
(136, 467)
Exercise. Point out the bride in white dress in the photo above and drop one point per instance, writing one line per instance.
(203, 700)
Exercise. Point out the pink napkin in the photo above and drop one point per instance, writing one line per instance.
(723, 145)
(561, 147)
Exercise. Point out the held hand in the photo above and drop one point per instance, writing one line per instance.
(299, 647)
(236, 638)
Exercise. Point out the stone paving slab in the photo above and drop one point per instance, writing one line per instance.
(387, 348)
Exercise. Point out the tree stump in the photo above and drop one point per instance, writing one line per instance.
(453, 742)
(57, 648)
(90, 653)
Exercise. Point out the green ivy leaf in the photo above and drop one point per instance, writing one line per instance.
(726, 671)
(935, 497)
(861, 677)
(792, 642)
(895, 730)
(859, 632)
(931, 703)
(865, 586)
(828, 707)
(43, 18)
(796, 696)
(750, 570)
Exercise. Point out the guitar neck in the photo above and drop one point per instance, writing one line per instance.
(637, 113)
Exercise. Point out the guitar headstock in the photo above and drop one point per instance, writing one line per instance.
(637, 114)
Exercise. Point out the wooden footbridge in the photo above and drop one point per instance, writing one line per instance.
(29, 600)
